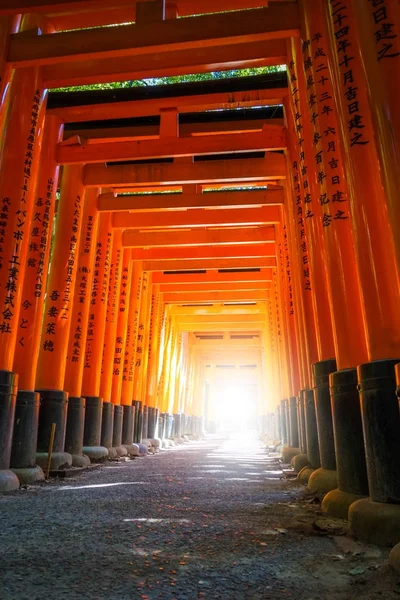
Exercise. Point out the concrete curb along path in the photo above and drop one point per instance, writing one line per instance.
(212, 519)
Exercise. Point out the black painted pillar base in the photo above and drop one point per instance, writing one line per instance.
(53, 409)
(137, 431)
(8, 395)
(145, 422)
(311, 437)
(349, 445)
(169, 426)
(161, 426)
(151, 422)
(324, 479)
(128, 426)
(107, 424)
(92, 430)
(300, 461)
(177, 426)
(377, 519)
(283, 417)
(74, 432)
(23, 452)
(117, 431)
(293, 423)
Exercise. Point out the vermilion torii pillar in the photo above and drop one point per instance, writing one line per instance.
(19, 155)
(375, 520)
(57, 318)
(95, 340)
(113, 294)
(23, 456)
(78, 331)
(334, 203)
(132, 412)
(119, 349)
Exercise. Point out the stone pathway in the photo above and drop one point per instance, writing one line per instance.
(211, 519)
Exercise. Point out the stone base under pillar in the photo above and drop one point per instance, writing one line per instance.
(337, 503)
(305, 474)
(299, 462)
(132, 449)
(8, 481)
(322, 481)
(121, 451)
(29, 475)
(80, 460)
(58, 460)
(288, 453)
(394, 558)
(96, 453)
(375, 522)
(112, 453)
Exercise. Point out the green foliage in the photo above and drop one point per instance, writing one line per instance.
(214, 75)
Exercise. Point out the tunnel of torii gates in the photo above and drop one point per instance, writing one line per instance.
(238, 231)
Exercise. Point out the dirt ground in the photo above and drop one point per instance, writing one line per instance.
(214, 519)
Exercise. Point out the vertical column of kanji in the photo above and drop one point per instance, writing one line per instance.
(78, 331)
(119, 349)
(341, 267)
(140, 350)
(290, 349)
(20, 145)
(163, 336)
(151, 410)
(378, 28)
(8, 26)
(375, 256)
(325, 479)
(304, 316)
(94, 341)
(57, 318)
(153, 346)
(23, 455)
(131, 410)
(127, 397)
(107, 366)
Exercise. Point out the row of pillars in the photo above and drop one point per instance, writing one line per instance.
(334, 320)
(85, 339)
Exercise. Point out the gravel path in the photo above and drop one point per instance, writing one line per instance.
(211, 519)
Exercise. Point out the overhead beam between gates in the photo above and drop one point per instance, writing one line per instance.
(220, 171)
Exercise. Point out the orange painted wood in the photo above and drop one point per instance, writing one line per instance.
(198, 218)
(207, 237)
(35, 279)
(61, 284)
(183, 104)
(161, 202)
(152, 132)
(98, 308)
(271, 138)
(182, 288)
(141, 336)
(20, 147)
(207, 253)
(81, 305)
(121, 332)
(241, 296)
(221, 171)
(131, 335)
(369, 203)
(111, 318)
(210, 277)
(278, 21)
(185, 7)
(216, 263)
(171, 63)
